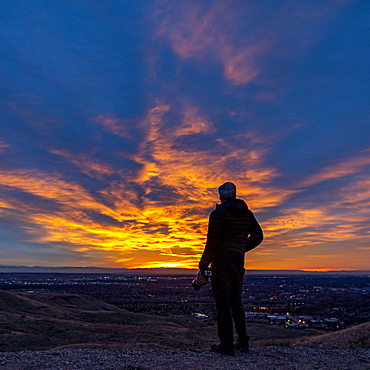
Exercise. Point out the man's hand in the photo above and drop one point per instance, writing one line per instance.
(201, 278)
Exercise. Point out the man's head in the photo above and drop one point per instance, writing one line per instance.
(227, 191)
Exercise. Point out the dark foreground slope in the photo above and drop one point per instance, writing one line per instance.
(43, 321)
(49, 320)
(351, 338)
(80, 332)
(260, 358)
(38, 321)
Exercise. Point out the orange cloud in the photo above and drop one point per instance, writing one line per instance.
(71, 227)
(5, 206)
(340, 222)
(146, 231)
(241, 66)
(300, 227)
(115, 125)
(53, 188)
(193, 177)
(296, 259)
(342, 218)
(87, 165)
(205, 34)
(165, 223)
(141, 222)
(193, 123)
(194, 173)
(346, 167)
(3, 146)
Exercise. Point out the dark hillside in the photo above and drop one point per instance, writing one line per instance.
(37, 321)
(351, 338)
(48, 320)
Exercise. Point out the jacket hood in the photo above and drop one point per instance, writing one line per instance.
(235, 206)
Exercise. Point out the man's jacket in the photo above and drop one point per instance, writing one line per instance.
(232, 231)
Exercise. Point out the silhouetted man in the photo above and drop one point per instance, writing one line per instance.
(232, 231)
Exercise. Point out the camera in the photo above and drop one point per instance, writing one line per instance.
(202, 279)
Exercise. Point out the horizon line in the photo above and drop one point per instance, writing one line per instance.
(91, 269)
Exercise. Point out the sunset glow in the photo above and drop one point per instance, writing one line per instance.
(120, 121)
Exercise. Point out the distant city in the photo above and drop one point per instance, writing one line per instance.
(294, 301)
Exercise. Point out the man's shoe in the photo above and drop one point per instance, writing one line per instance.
(240, 348)
(218, 348)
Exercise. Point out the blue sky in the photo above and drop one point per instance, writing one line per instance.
(119, 120)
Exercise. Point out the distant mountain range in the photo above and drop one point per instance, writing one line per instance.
(162, 271)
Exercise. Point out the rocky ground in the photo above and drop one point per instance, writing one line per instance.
(265, 358)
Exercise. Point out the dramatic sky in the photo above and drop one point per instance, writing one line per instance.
(120, 118)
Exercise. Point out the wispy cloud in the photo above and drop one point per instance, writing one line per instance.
(346, 167)
(203, 33)
(116, 126)
(342, 219)
(3, 145)
(86, 165)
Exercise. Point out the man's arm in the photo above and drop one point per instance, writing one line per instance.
(214, 239)
(255, 236)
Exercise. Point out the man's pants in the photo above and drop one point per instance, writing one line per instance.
(227, 286)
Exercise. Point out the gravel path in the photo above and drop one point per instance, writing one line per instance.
(262, 358)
